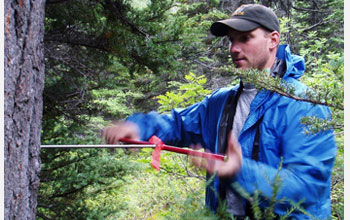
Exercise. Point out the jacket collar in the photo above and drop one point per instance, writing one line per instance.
(295, 65)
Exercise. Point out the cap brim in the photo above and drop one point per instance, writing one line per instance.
(220, 28)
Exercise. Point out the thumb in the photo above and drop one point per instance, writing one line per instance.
(234, 150)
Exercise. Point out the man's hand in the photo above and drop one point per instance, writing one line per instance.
(224, 168)
(113, 133)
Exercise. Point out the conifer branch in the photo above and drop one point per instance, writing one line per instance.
(263, 80)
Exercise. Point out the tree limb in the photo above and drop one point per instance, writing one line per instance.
(71, 191)
(116, 8)
(55, 1)
(65, 163)
(286, 94)
(41, 215)
(281, 90)
(99, 43)
(315, 25)
(309, 9)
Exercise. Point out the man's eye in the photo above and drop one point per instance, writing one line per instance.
(244, 38)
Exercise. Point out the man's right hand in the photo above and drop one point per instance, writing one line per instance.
(113, 133)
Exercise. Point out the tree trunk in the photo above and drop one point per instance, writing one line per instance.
(231, 6)
(24, 82)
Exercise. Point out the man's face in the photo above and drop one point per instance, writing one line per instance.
(250, 49)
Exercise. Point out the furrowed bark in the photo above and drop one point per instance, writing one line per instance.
(23, 82)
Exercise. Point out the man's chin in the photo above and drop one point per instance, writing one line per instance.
(241, 67)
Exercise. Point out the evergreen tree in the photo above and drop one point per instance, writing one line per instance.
(107, 59)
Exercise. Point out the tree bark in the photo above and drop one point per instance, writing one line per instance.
(24, 82)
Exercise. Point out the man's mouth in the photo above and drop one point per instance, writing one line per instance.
(238, 59)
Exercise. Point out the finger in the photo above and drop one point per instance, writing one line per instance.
(192, 154)
(195, 161)
(234, 154)
(115, 139)
(129, 130)
(199, 162)
(112, 136)
(234, 148)
(211, 162)
(196, 146)
(107, 134)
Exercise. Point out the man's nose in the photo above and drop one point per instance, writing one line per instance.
(235, 48)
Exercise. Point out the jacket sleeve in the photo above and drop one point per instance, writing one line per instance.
(307, 160)
(181, 127)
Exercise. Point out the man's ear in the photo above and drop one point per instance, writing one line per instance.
(274, 39)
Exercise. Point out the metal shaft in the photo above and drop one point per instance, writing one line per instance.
(101, 146)
(144, 144)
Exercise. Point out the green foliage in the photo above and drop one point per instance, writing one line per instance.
(322, 49)
(81, 183)
(324, 92)
(189, 93)
(159, 195)
(337, 193)
(114, 101)
(312, 23)
(107, 59)
(331, 90)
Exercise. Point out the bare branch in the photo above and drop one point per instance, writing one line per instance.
(117, 10)
(71, 191)
(87, 41)
(41, 215)
(55, 1)
(309, 9)
(315, 25)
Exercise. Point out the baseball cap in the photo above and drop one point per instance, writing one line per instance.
(247, 18)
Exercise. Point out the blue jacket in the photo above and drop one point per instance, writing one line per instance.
(307, 159)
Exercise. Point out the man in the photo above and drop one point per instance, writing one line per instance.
(266, 124)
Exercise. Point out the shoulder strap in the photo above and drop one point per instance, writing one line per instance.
(226, 127)
(255, 156)
(255, 152)
(227, 119)
(231, 114)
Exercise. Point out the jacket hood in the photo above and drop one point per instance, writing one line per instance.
(295, 64)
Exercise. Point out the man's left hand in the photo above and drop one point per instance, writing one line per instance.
(224, 168)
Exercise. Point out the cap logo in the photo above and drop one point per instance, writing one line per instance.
(239, 11)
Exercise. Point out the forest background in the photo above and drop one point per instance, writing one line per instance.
(105, 60)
